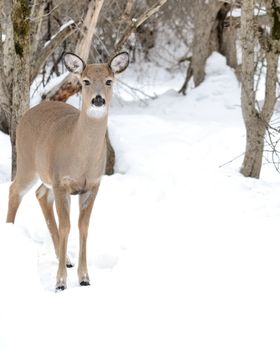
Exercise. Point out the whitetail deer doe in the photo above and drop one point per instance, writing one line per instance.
(66, 149)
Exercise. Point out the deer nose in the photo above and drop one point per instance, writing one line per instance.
(98, 101)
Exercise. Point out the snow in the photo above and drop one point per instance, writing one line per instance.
(258, 11)
(183, 253)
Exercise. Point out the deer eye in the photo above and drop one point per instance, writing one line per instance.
(86, 82)
(109, 82)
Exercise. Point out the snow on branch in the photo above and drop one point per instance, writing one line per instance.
(56, 40)
(61, 29)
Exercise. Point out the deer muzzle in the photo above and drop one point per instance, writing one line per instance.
(98, 101)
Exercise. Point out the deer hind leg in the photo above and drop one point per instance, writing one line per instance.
(62, 201)
(45, 198)
(86, 204)
(19, 187)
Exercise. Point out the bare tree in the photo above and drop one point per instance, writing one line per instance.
(257, 118)
(21, 71)
(21, 61)
(212, 32)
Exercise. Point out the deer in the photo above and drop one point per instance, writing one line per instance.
(65, 149)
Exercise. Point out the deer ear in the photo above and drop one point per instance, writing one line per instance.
(73, 63)
(119, 62)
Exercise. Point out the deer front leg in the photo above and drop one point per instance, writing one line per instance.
(45, 198)
(86, 203)
(62, 201)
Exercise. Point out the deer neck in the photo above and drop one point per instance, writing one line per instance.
(90, 131)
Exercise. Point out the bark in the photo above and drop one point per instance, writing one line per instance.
(255, 122)
(255, 129)
(88, 29)
(5, 103)
(21, 72)
(228, 46)
(36, 16)
(255, 132)
(111, 156)
(210, 34)
(204, 41)
(4, 122)
(187, 79)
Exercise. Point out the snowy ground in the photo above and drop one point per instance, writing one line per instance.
(183, 253)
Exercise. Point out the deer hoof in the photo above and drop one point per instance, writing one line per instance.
(69, 264)
(60, 287)
(85, 283)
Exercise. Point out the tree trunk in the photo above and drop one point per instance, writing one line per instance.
(205, 36)
(210, 35)
(4, 123)
(5, 103)
(251, 164)
(21, 72)
(255, 132)
(256, 123)
(228, 48)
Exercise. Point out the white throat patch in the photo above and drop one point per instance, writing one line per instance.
(96, 112)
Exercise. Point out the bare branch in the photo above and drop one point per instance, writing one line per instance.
(37, 12)
(270, 86)
(37, 8)
(137, 91)
(125, 18)
(49, 48)
(88, 28)
(135, 23)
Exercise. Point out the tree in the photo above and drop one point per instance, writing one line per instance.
(212, 32)
(21, 61)
(257, 119)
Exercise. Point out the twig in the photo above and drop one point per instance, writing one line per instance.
(50, 47)
(137, 90)
(232, 160)
(136, 22)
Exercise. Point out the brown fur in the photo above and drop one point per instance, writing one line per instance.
(66, 150)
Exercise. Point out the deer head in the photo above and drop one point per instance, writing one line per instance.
(96, 80)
